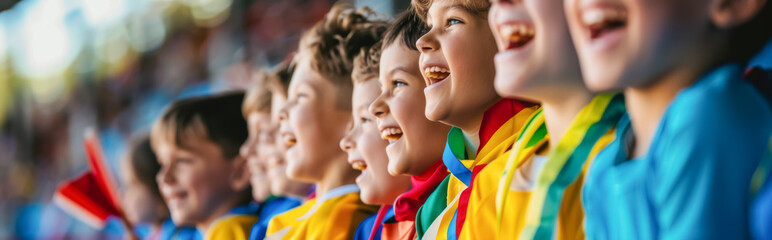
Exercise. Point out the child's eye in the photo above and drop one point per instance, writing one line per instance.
(398, 83)
(364, 120)
(452, 21)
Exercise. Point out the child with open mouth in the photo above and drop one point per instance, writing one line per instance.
(682, 160)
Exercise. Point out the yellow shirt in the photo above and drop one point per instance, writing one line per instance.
(232, 227)
(445, 224)
(335, 215)
(523, 195)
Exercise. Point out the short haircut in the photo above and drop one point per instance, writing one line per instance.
(216, 118)
(331, 45)
(477, 7)
(144, 164)
(367, 64)
(748, 39)
(258, 98)
(408, 27)
(279, 79)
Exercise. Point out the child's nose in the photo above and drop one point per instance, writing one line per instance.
(164, 176)
(378, 108)
(346, 144)
(283, 115)
(427, 43)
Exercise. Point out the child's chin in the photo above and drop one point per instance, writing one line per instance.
(398, 168)
(181, 219)
(436, 111)
(600, 82)
(295, 171)
(368, 197)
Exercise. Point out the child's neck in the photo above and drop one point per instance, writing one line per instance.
(559, 112)
(646, 105)
(338, 174)
(470, 126)
(473, 140)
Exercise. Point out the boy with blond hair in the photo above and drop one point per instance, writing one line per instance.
(314, 120)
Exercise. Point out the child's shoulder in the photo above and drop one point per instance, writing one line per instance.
(349, 203)
(233, 226)
(297, 212)
(721, 116)
(721, 99)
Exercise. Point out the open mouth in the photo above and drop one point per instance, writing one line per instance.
(435, 74)
(359, 165)
(517, 35)
(288, 139)
(391, 134)
(601, 21)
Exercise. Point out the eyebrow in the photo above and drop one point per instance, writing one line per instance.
(398, 69)
(448, 8)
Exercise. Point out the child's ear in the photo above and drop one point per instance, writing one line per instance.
(727, 14)
(240, 175)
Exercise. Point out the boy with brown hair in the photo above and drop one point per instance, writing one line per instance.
(258, 149)
(367, 150)
(415, 143)
(315, 119)
(203, 180)
(272, 150)
(457, 62)
(256, 110)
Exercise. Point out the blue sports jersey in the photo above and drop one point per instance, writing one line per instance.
(694, 182)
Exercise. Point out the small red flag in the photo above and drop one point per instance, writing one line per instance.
(92, 197)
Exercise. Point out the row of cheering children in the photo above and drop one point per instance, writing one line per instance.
(469, 119)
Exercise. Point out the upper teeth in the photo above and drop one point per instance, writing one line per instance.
(599, 15)
(359, 166)
(436, 69)
(391, 133)
(514, 31)
(289, 140)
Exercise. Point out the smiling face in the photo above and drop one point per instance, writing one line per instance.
(536, 54)
(271, 152)
(314, 124)
(257, 123)
(367, 151)
(415, 143)
(457, 64)
(630, 43)
(195, 181)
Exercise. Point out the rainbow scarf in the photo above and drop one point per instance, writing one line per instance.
(591, 130)
(500, 123)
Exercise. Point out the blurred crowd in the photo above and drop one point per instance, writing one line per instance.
(41, 131)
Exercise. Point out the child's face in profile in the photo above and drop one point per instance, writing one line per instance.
(257, 123)
(141, 204)
(367, 151)
(195, 181)
(314, 124)
(271, 153)
(628, 43)
(536, 54)
(457, 64)
(415, 143)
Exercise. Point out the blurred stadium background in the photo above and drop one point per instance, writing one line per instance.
(67, 65)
